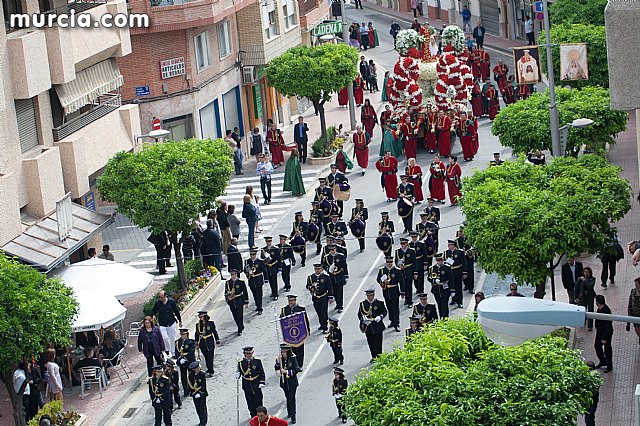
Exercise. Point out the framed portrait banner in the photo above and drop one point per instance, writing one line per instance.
(526, 63)
(573, 62)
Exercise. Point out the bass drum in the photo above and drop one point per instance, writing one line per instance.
(405, 207)
(325, 206)
(357, 228)
(313, 233)
(384, 242)
(342, 191)
(298, 244)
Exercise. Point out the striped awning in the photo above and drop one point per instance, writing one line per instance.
(89, 84)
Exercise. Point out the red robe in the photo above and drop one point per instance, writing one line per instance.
(475, 66)
(436, 180)
(524, 92)
(509, 94)
(475, 140)
(443, 127)
(494, 103)
(465, 132)
(358, 91)
(276, 142)
(410, 140)
(369, 117)
(485, 65)
(500, 74)
(417, 181)
(361, 148)
(372, 38)
(385, 119)
(476, 100)
(271, 421)
(343, 97)
(432, 143)
(389, 169)
(454, 174)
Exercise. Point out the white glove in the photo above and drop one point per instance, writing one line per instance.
(157, 400)
(337, 396)
(260, 386)
(346, 279)
(383, 278)
(182, 361)
(437, 280)
(237, 374)
(378, 318)
(196, 395)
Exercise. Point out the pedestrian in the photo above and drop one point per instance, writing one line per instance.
(513, 291)
(391, 280)
(162, 245)
(441, 278)
(293, 175)
(150, 343)
(106, 253)
(478, 34)
(405, 259)
(250, 217)
(454, 180)
(235, 135)
(301, 137)
(415, 26)
(633, 309)
(363, 31)
(358, 3)
(528, 30)
(394, 30)
(166, 314)
(262, 418)
(421, 253)
(185, 354)
(478, 297)
(604, 333)
(251, 372)
(388, 167)
(492, 101)
(21, 384)
(172, 374)
(36, 401)
(187, 241)
(457, 261)
(160, 393)
(611, 254)
(414, 176)
(198, 391)
(321, 289)
(571, 272)
(234, 222)
(414, 8)
(414, 327)
(373, 38)
(257, 144)
(213, 244)
(466, 18)
(338, 389)
(386, 228)
(207, 338)
(361, 141)
(223, 223)
(237, 163)
(256, 272)
(585, 292)
(287, 260)
(287, 368)
(276, 144)
(265, 169)
(443, 133)
(237, 297)
(371, 313)
(293, 308)
(334, 337)
(590, 415)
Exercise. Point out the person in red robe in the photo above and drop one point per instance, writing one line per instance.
(500, 75)
(372, 36)
(475, 142)
(388, 166)
(524, 92)
(492, 101)
(264, 419)
(358, 90)
(443, 135)
(475, 64)
(476, 99)
(431, 141)
(343, 97)
(409, 130)
(454, 180)
(437, 171)
(361, 141)
(369, 117)
(509, 92)
(485, 64)
(385, 117)
(276, 143)
(414, 172)
(465, 133)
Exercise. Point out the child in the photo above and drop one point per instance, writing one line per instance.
(334, 337)
(339, 387)
(171, 372)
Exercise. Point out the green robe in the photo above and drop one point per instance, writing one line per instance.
(389, 143)
(385, 95)
(293, 177)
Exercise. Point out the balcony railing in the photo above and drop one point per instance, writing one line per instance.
(155, 3)
(105, 104)
(77, 6)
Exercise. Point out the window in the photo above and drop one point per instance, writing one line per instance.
(224, 39)
(289, 13)
(27, 125)
(270, 18)
(201, 42)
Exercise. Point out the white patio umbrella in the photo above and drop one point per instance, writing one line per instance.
(97, 310)
(105, 276)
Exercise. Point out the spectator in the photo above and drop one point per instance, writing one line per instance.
(611, 254)
(166, 314)
(54, 379)
(223, 222)
(187, 241)
(249, 215)
(110, 348)
(88, 361)
(150, 343)
(214, 245)
(91, 253)
(234, 222)
(571, 272)
(235, 135)
(264, 169)
(604, 333)
(373, 77)
(633, 309)
(590, 415)
(585, 292)
(257, 144)
(35, 396)
(394, 30)
(255, 200)
(106, 253)
(528, 30)
(234, 258)
(416, 25)
(19, 379)
(414, 7)
(163, 250)
(466, 18)
(301, 138)
(45, 420)
(198, 238)
(86, 339)
(469, 43)
(479, 297)
(513, 290)
(634, 249)
(478, 34)
(237, 164)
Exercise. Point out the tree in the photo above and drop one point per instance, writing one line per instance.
(451, 374)
(167, 186)
(590, 12)
(519, 217)
(34, 311)
(525, 126)
(314, 73)
(596, 39)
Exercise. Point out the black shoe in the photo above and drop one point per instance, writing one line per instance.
(239, 333)
(344, 421)
(340, 310)
(209, 373)
(293, 421)
(397, 329)
(608, 369)
(459, 305)
(325, 331)
(260, 312)
(603, 285)
(600, 365)
(302, 265)
(341, 362)
(335, 362)
(361, 250)
(180, 407)
(452, 303)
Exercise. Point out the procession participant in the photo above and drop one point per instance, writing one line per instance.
(475, 140)
(524, 91)
(386, 117)
(288, 369)
(334, 337)
(270, 255)
(437, 178)
(276, 143)
(391, 280)
(443, 133)
(287, 260)
(336, 228)
(414, 327)
(469, 255)
(500, 72)
(386, 227)
(321, 289)
(422, 129)
(251, 372)
(336, 265)
(391, 141)
(255, 271)
(477, 103)
(185, 354)
(262, 418)
(414, 173)
(475, 64)
(361, 141)
(492, 101)
(457, 261)
(290, 309)
(338, 389)
(425, 311)
(388, 166)
(371, 313)
(420, 249)
(341, 245)
(234, 258)
(237, 297)
(509, 92)
(428, 232)
(369, 117)
(454, 180)
(433, 212)
(496, 160)
(358, 222)
(160, 393)
(441, 277)
(207, 339)
(316, 223)
(465, 132)
(485, 63)
(405, 208)
(409, 130)
(343, 97)
(358, 90)
(323, 191)
(335, 178)
(329, 240)
(198, 390)
(300, 230)
(432, 118)
(405, 259)
(172, 374)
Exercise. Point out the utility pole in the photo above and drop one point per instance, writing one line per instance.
(553, 107)
(345, 38)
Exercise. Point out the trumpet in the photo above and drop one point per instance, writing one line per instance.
(434, 275)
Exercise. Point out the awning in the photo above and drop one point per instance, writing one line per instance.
(89, 84)
(39, 245)
(96, 311)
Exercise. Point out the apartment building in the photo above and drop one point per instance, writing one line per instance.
(312, 13)
(61, 119)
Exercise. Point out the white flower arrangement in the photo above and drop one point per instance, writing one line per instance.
(454, 36)
(407, 39)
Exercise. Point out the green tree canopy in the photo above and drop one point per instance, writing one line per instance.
(451, 374)
(577, 12)
(314, 72)
(166, 186)
(520, 216)
(34, 311)
(525, 126)
(596, 39)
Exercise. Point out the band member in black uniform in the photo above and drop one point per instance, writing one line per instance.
(316, 217)
(433, 212)
(341, 246)
(234, 258)
(334, 337)
(290, 309)
(270, 255)
(185, 354)
(160, 393)
(237, 297)
(319, 285)
(359, 213)
(251, 372)
(198, 390)
(336, 177)
(172, 374)
(371, 313)
(441, 278)
(300, 229)
(339, 387)
(385, 226)
(425, 311)
(470, 257)
(391, 280)
(425, 228)
(405, 259)
(324, 197)
(336, 227)
(323, 191)
(408, 192)
(457, 261)
(287, 260)
(414, 327)
(287, 368)
(420, 250)
(255, 271)
(207, 339)
(336, 265)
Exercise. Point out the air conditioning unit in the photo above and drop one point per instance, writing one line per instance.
(249, 75)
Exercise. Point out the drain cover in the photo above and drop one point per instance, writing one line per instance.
(129, 413)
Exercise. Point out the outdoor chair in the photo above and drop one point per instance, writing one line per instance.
(91, 375)
(117, 362)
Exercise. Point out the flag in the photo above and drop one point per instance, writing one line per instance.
(294, 328)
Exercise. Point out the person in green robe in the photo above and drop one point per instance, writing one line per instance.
(293, 175)
(385, 95)
(373, 36)
(391, 142)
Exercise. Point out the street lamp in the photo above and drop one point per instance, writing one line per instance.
(578, 123)
(345, 39)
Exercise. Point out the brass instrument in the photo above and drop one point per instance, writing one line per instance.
(231, 294)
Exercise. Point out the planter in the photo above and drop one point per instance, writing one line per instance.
(321, 161)
(201, 298)
(83, 420)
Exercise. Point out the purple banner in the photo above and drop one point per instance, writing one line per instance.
(294, 328)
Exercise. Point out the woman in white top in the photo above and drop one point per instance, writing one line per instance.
(53, 372)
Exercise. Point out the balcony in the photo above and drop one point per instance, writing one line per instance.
(162, 3)
(102, 107)
(29, 63)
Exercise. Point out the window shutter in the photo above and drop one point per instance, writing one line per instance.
(27, 127)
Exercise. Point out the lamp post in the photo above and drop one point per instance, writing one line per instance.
(345, 39)
(578, 123)
(553, 107)
(154, 134)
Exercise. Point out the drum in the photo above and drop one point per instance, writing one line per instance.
(325, 206)
(298, 243)
(357, 228)
(342, 191)
(384, 242)
(405, 207)
(313, 233)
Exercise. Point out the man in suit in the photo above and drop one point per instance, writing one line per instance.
(571, 271)
(301, 138)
